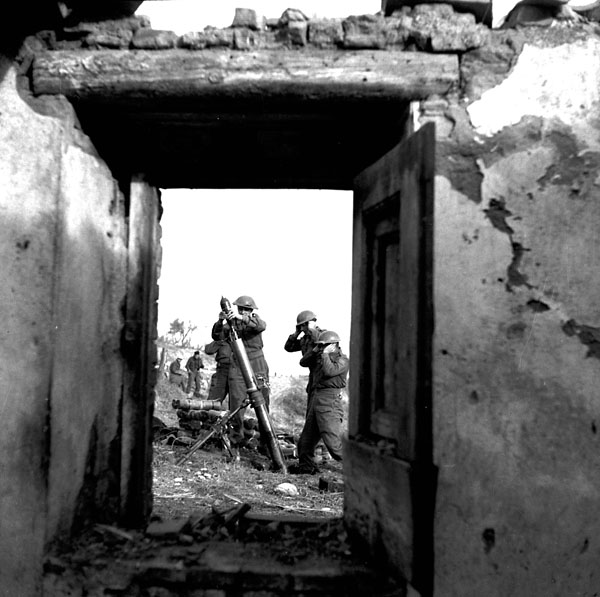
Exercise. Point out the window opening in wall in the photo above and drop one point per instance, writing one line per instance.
(289, 250)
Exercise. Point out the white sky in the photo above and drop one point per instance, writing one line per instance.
(289, 249)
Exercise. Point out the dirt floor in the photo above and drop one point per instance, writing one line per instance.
(211, 478)
(220, 522)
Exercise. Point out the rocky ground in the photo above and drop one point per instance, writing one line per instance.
(212, 478)
(220, 522)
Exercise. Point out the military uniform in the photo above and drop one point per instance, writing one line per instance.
(325, 413)
(176, 375)
(305, 344)
(249, 329)
(193, 366)
(219, 382)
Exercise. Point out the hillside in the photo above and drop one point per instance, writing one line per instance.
(288, 393)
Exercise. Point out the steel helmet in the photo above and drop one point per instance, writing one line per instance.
(328, 337)
(305, 316)
(245, 301)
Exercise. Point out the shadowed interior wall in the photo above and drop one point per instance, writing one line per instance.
(66, 266)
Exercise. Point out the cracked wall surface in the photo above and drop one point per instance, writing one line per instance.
(516, 372)
(64, 255)
(516, 341)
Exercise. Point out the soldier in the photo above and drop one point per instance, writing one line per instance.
(249, 327)
(193, 366)
(177, 374)
(304, 340)
(325, 414)
(219, 382)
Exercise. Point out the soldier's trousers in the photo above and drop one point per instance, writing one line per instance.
(194, 379)
(178, 380)
(219, 384)
(323, 421)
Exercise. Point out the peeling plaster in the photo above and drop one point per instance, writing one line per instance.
(572, 168)
(463, 157)
(497, 214)
(538, 306)
(589, 336)
(545, 82)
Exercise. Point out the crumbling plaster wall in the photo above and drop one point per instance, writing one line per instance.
(64, 256)
(517, 336)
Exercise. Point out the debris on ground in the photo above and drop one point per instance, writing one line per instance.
(222, 522)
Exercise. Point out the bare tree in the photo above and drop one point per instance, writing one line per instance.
(180, 333)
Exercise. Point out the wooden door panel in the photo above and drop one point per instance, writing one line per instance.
(391, 325)
(390, 494)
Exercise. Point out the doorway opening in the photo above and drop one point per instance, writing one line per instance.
(291, 251)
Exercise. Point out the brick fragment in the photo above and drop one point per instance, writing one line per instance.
(438, 28)
(195, 40)
(331, 484)
(325, 32)
(292, 15)
(364, 32)
(216, 38)
(298, 32)
(248, 18)
(396, 30)
(167, 529)
(109, 39)
(152, 39)
(248, 39)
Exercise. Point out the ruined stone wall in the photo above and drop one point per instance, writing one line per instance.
(516, 280)
(64, 250)
(516, 370)
(516, 286)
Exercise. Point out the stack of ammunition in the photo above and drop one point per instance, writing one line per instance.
(194, 414)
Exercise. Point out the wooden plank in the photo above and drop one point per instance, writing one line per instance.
(389, 506)
(139, 351)
(381, 512)
(180, 74)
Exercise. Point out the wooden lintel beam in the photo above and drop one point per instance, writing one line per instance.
(183, 74)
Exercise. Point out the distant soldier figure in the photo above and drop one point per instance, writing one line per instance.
(325, 413)
(219, 382)
(193, 366)
(177, 374)
(249, 327)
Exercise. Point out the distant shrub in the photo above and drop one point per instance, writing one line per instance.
(288, 403)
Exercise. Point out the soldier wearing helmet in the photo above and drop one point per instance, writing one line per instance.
(305, 335)
(304, 338)
(249, 327)
(324, 415)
